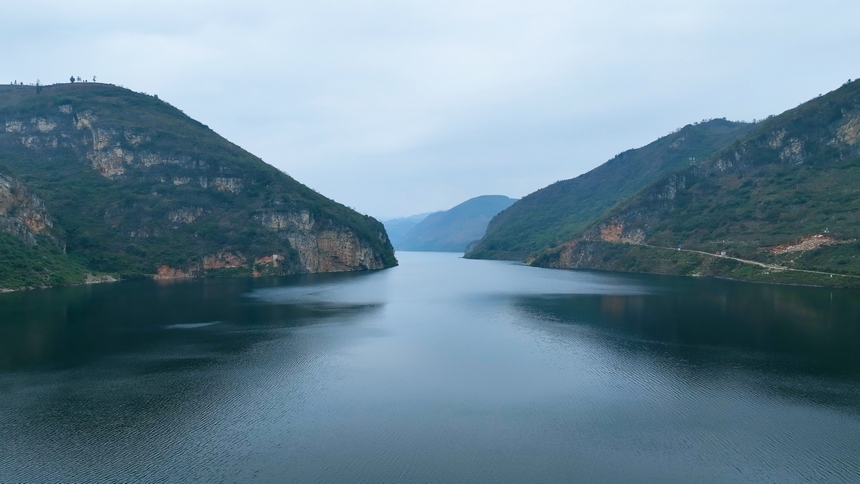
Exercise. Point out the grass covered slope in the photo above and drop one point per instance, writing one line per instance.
(453, 230)
(787, 195)
(564, 209)
(136, 186)
(38, 265)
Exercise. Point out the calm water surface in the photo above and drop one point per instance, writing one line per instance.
(439, 370)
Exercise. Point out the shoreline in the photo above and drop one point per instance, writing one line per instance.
(90, 280)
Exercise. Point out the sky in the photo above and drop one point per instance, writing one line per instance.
(403, 107)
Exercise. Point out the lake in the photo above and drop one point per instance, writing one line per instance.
(439, 370)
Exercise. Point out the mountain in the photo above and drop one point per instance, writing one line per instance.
(782, 200)
(398, 227)
(103, 180)
(453, 230)
(564, 209)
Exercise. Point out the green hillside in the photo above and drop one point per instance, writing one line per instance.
(453, 230)
(564, 209)
(39, 265)
(136, 187)
(787, 195)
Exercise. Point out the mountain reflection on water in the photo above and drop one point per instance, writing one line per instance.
(798, 343)
(441, 369)
(69, 326)
(821, 324)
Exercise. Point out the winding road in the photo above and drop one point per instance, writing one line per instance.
(746, 261)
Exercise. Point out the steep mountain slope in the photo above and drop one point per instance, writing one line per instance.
(136, 187)
(30, 253)
(454, 229)
(787, 195)
(398, 227)
(564, 209)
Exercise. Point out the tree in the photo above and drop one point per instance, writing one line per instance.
(94, 78)
(72, 79)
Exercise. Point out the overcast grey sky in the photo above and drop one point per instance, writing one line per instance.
(402, 107)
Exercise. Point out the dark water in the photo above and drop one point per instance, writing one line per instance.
(440, 370)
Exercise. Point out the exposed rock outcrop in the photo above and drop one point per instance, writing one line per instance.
(166, 272)
(849, 133)
(224, 260)
(185, 215)
(22, 214)
(333, 251)
(322, 250)
(810, 242)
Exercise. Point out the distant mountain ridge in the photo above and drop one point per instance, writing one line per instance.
(131, 186)
(398, 227)
(453, 230)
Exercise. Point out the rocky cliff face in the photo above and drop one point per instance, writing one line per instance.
(140, 188)
(326, 249)
(22, 214)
